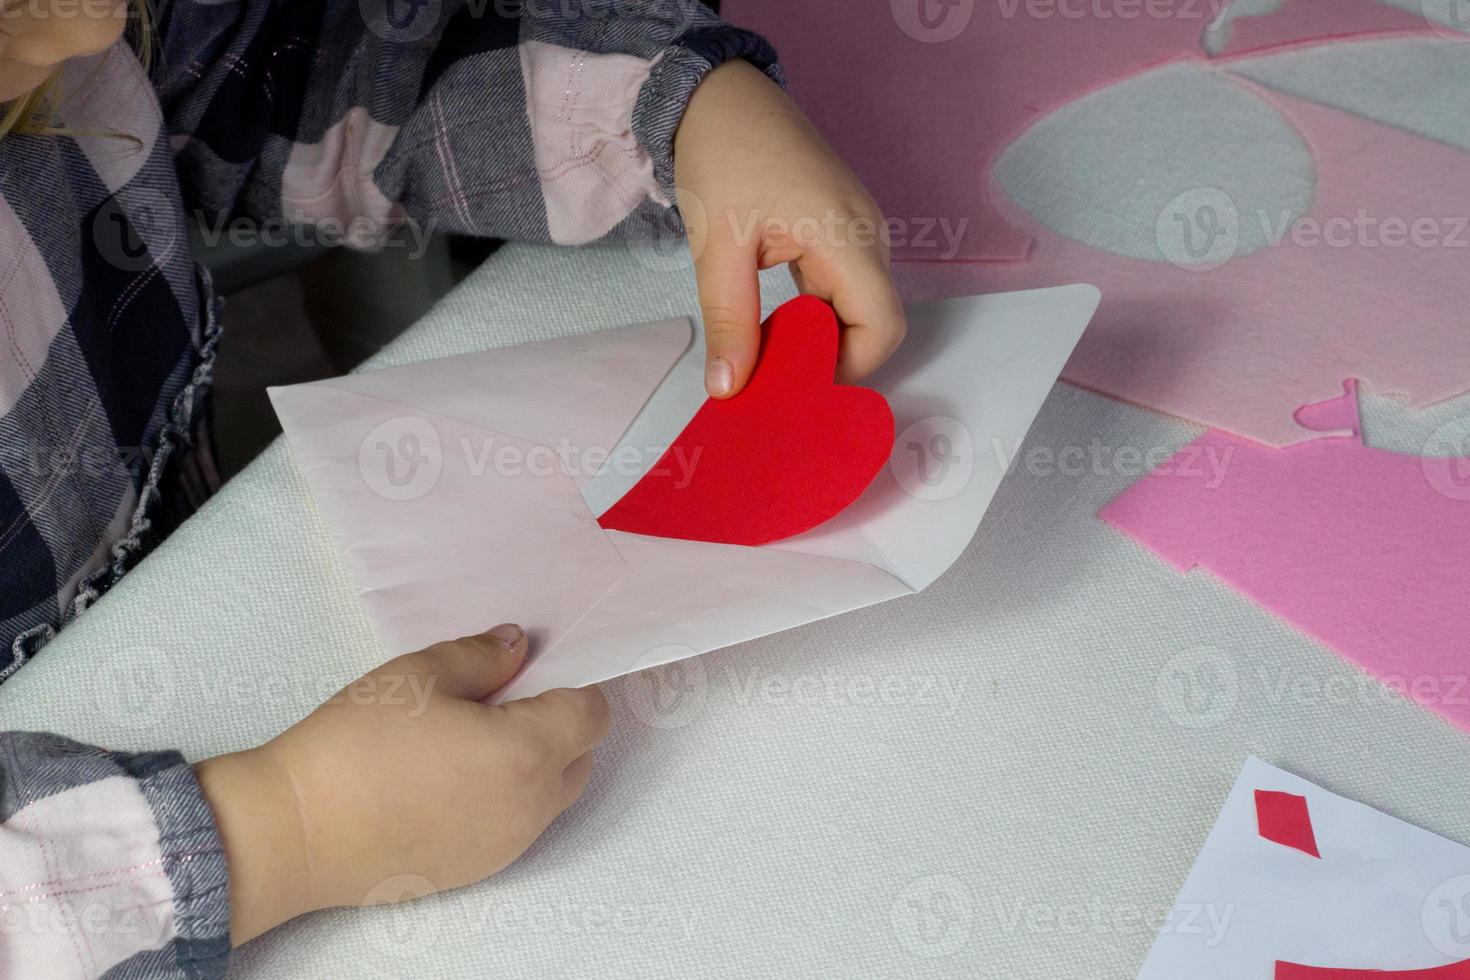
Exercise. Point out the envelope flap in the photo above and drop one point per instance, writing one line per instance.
(965, 387)
(574, 394)
(445, 529)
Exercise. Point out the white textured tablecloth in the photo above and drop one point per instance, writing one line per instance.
(1007, 776)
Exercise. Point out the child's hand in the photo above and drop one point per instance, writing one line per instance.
(759, 186)
(405, 772)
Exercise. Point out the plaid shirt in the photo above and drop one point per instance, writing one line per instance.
(538, 120)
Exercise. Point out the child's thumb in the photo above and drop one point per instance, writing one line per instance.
(472, 667)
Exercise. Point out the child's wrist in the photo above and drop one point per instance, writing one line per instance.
(256, 812)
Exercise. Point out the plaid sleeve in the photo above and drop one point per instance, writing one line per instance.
(110, 865)
(535, 120)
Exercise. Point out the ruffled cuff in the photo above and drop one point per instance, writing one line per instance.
(110, 864)
(193, 858)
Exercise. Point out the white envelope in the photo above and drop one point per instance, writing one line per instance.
(463, 492)
(1380, 896)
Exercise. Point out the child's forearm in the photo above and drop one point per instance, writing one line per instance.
(256, 812)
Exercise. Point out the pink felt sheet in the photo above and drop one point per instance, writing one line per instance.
(1363, 549)
(921, 118)
(1243, 347)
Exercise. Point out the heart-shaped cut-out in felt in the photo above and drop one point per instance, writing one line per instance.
(787, 453)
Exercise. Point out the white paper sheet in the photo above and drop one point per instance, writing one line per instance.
(1383, 895)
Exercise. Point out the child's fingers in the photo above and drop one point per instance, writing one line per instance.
(871, 312)
(471, 668)
(730, 299)
(570, 721)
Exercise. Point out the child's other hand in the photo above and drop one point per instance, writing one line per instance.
(759, 186)
(404, 773)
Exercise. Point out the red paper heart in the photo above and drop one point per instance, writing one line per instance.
(789, 452)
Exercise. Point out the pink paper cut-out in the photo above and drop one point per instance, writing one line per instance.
(1282, 818)
(1361, 548)
(1244, 346)
(1335, 416)
(1314, 22)
(920, 96)
(1294, 971)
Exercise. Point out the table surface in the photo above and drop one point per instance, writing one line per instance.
(1006, 776)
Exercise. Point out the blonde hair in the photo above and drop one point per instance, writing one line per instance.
(34, 113)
